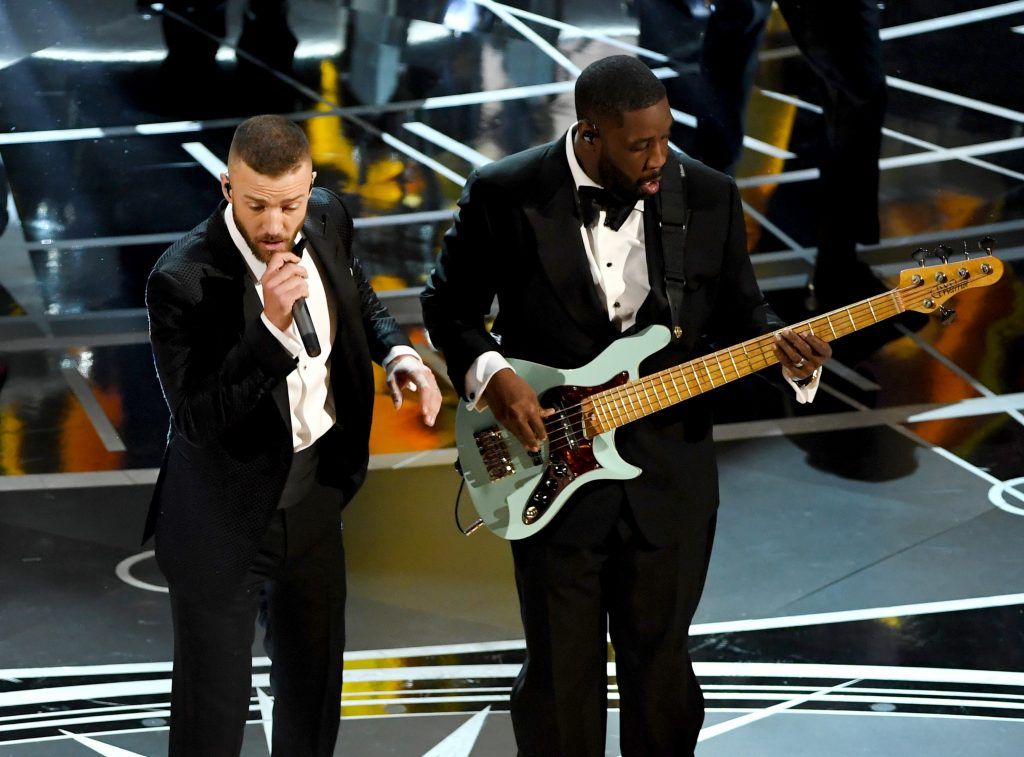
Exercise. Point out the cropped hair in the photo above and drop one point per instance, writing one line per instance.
(613, 86)
(270, 145)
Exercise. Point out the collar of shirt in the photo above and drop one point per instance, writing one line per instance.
(256, 266)
(579, 176)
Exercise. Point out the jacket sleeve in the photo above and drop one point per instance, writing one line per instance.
(382, 330)
(462, 286)
(208, 394)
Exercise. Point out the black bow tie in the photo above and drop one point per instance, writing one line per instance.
(595, 199)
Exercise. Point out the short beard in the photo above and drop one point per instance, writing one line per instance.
(615, 181)
(261, 255)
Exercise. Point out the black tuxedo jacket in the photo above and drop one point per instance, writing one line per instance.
(223, 375)
(517, 236)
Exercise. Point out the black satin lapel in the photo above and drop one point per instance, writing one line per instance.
(564, 258)
(656, 303)
(325, 248)
(330, 263)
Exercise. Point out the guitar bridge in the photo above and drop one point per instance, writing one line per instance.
(495, 454)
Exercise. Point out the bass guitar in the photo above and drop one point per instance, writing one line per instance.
(518, 492)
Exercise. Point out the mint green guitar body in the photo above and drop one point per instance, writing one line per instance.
(518, 493)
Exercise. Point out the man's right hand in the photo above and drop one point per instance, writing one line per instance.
(516, 407)
(283, 284)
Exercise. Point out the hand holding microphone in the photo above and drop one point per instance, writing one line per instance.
(300, 312)
(285, 290)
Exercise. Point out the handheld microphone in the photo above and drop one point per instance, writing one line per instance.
(300, 312)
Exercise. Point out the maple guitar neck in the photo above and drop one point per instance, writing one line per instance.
(619, 405)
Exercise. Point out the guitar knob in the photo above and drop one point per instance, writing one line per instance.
(560, 469)
(946, 315)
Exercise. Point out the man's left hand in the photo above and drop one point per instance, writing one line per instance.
(800, 354)
(408, 372)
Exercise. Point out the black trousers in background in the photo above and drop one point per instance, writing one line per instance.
(571, 595)
(299, 577)
(715, 55)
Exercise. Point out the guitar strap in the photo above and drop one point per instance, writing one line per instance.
(675, 221)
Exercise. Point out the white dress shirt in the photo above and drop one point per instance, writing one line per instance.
(309, 386)
(618, 266)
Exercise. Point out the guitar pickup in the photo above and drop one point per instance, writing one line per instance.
(494, 453)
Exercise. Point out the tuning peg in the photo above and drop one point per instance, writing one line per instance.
(986, 244)
(946, 315)
(920, 255)
(943, 252)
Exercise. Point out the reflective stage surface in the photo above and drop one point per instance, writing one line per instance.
(865, 593)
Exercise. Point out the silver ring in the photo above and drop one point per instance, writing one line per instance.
(800, 363)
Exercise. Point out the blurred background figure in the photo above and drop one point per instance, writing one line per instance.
(713, 48)
(193, 31)
(4, 218)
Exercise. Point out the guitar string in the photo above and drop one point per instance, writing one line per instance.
(617, 395)
(656, 381)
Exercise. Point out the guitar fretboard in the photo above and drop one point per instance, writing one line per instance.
(624, 404)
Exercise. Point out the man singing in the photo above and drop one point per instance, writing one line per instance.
(267, 442)
(574, 239)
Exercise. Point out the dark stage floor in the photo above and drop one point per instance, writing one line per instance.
(866, 595)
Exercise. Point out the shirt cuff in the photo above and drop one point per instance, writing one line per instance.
(391, 359)
(291, 344)
(805, 393)
(479, 375)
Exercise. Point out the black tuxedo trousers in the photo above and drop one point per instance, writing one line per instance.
(572, 595)
(296, 585)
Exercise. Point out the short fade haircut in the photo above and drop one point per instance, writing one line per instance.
(613, 86)
(270, 145)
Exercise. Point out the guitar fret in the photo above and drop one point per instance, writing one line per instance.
(895, 301)
(710, 380)
(617, 405)
(664, 386)
(734, 367)
(623, 398)
(643, 385)
(686, 383)
(833, 328)
(849, 314)
(629, 397)
(875, 317)
(696, 378)
(601, 414)
(724, 377)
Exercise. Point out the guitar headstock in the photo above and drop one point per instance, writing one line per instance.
(927, 287)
